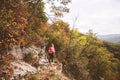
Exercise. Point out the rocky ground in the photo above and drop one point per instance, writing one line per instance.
(45, 70)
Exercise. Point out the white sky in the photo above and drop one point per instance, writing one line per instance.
(102, 16)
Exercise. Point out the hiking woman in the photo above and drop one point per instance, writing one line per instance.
(51, 52)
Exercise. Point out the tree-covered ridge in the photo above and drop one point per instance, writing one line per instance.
(81, 54)
(84, 57)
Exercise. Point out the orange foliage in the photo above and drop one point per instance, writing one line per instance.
(5, 61)
(13, 30)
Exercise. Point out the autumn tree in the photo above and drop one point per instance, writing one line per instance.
(20, 16)
(58, 7)
(12, 24)
(57, 33)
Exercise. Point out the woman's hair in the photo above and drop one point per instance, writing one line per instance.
(52, 44)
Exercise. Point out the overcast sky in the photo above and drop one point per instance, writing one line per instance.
(102, 16)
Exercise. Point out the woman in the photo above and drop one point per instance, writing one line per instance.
(51, 53)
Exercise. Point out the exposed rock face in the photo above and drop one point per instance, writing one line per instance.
(45, 70)
(22, 68)
(19, 53)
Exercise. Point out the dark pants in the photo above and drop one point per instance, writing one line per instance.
(51, 56)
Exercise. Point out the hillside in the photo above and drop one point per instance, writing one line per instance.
(113, 38)
(87, 59)
(113, 48)
(26, 71)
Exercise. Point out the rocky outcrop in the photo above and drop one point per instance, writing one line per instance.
(21, 68)
(45, 70)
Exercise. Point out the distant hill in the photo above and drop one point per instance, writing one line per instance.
(114, 38)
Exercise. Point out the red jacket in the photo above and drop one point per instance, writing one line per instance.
(51, 50)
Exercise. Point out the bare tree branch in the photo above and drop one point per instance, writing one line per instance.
(32, 14)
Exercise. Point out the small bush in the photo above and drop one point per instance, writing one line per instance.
(33, 77)
(28, 57)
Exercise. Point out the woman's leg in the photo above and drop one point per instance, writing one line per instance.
(52, 56)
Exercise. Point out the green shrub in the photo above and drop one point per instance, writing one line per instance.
(28, 57)
(33, 77)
